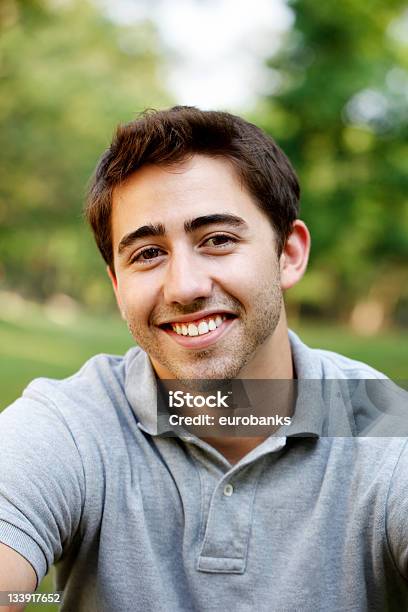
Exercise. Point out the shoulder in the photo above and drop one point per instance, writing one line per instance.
(88, 405)
(321, 363)
(349, 368)
(99, 383)
(99, 371)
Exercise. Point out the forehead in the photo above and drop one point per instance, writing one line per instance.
(170, 195)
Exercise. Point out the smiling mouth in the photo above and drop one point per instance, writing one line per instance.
(200, 327)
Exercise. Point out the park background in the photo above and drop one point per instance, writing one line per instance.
(328, 81)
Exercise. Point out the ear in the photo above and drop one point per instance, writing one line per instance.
(295, 255)
(114, 282)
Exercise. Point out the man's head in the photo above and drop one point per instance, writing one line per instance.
(195, 214)
(166, 138)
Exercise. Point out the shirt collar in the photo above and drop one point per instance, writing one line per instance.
(321, 408)
(141, 389)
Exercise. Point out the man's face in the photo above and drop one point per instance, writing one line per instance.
(196, 269)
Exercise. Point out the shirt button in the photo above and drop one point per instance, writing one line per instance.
(228, 490)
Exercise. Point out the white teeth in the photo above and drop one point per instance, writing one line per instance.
(192, 330)
(202, 328)
(211, 325)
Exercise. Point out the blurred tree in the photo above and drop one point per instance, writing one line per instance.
(68, 75)
(340, 112)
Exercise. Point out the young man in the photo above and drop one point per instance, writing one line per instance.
(196, 216)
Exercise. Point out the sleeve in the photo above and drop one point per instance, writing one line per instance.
(42, 484)
(396, 518)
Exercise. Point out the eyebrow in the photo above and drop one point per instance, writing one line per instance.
(146, 231)
(151, 230)
(224, 218)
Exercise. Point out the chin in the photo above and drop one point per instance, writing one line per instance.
(217, 370)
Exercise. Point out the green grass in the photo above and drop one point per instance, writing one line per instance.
(35, 346)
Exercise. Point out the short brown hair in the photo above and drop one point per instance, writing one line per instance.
(170, 136)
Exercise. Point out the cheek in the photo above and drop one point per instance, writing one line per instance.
(247, 276)
(137, 298)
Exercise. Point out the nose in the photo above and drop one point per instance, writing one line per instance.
(186, 279)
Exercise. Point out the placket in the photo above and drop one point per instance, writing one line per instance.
(228, 529)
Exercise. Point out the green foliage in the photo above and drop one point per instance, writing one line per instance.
(68, 75)
(340, 113)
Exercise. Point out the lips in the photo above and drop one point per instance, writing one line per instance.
(195, 331)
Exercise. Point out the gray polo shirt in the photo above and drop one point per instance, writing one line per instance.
(134, 520)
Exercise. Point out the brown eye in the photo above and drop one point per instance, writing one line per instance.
(149, 253)
(219, 240)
